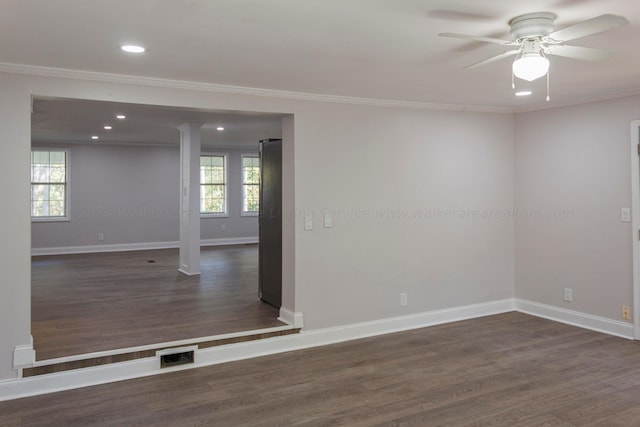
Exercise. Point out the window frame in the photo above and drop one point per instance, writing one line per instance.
(242, 184)
(225, 157)
(66, 217)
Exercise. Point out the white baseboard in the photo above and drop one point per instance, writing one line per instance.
(31, 386)
(405, 323)
(229, 241)
(124, 247)
(576, 318)
(292, 318)
(24, 356)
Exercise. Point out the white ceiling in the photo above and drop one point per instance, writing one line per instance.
(71, 121)
(380, 49)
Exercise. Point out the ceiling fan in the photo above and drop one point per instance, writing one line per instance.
(533, 37)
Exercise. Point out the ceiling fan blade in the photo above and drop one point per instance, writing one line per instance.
(578, 52)
(476, 38)
(595, 25)
(493, 59)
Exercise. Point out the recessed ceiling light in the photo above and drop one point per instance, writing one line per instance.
(95, 137)
(220, 128)
(132, 48)
(107, 127)
(121, 117)
(524, 93)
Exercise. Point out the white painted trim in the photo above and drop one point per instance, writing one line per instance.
(635, 223)
(408, 322)
(124, 247)
(575, 318)
(175, 144)
(189, 272)
(77, 378)
(24, 356)
(292, 318)
(225, 167)
(240, 90)
(67, 185)
(159, 346)
(175, 350)
(31, 386)
(576, 101)
(253, 155)
(33, 70)
(229, 241)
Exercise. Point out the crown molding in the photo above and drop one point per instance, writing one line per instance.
(33, 70)
(244, 147)
(577, 101)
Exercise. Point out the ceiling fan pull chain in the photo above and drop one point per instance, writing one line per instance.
(548, 98)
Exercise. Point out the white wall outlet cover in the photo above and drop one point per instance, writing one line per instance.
(568, 294)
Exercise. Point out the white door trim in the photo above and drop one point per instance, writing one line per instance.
(635, 221)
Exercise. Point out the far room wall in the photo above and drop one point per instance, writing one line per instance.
(573, 176)
(130, 194)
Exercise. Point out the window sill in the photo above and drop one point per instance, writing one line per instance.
(249, 214)
(50, 219)
(220, 215)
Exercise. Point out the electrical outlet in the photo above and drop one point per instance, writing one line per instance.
(626, 312)
(568, 294)
(100, 237)
(223, 227)
(403, 299)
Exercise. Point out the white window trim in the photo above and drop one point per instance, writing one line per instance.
(224, 214)
(242, 211)
(67, 204)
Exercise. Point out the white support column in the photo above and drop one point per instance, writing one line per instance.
(190, 139)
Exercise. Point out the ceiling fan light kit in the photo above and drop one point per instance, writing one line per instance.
(531, 64)
(534, 38)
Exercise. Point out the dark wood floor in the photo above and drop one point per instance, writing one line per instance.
(505, 370)
(93, 302)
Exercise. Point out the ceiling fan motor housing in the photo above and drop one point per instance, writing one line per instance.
(532, 25)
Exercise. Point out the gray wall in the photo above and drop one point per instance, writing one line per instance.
(574, 163)
(354, 159)
(130, 194)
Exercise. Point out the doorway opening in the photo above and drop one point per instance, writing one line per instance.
(635, 221)
(104, 269)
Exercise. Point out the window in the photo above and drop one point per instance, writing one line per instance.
(48, 184)
(250, 185)
(213, 185)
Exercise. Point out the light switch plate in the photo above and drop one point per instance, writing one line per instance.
(308, 221)
(328, 221)
(625, 214)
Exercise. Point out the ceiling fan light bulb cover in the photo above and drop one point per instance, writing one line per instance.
(530, 67)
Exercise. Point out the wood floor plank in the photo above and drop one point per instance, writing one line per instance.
(504, 370)
(85, 303)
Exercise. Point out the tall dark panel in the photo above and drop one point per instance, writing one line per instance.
(270, 221)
